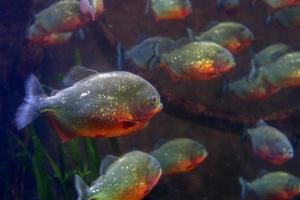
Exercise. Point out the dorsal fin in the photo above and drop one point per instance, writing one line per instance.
(159, 143)
(211, 24)
(76, 74)
(191, 34)
(260, 123)
(106, 162)
(262, 172)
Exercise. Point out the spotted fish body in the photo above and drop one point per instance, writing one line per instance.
(270, 144)
(198, 61)
(228, 5)
(253, 89)
(289, 17)
(49, 39)
(131, 177)
(147, 53)
(272, 186)
(101, 105)
(171, 9)
(269, 55)
(285, 72)
(180, 155)
(232, 35)
(63, 16)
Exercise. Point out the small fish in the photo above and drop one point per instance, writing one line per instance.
(170, 9)
(232, 35)
(275, 5)
(94, 105)
(272, 186)
(289, 17)
(270, 144)
(198, 61)
(227, 5)
(91, 8)
(131, 177)
(252, 89)
(269, 55)
(49, 39)
(179, 155)
(146, 54)
(285, 72)
(63, 16)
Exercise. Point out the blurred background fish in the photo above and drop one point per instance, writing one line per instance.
(231, 35)
(169, 9)
(272, 186)
(289, 17)
(227, 5)
(179, 155)
(146, 54)
(198, 61)
(270, 144)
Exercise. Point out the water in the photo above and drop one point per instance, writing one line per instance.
(192, 109)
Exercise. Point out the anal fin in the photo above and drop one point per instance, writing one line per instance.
(63, 135)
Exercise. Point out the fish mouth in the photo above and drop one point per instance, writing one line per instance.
(159, 108)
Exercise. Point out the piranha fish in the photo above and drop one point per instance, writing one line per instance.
(131, 177)
(198, 61)
(146, 54)
(49, 39)
(92, 8)
(275, 5)
(179, 155)
(289, 17)
(227, 5)
(169, 9)
(232, 35)
(95, 105)
(270, 144)
(252, 89)
(285, 72)
(63, 16)
(272, 186)
(269, 55)
(55, 23)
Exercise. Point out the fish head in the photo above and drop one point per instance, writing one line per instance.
(146, 103)
(240, 37)
(198, 153)
(285, 153)
(224, 61)
(154, 172)
(148, 172)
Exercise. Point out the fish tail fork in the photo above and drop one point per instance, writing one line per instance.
(30, 109)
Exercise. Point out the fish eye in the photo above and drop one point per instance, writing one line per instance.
(153, 100)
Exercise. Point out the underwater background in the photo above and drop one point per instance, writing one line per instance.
(34, 164)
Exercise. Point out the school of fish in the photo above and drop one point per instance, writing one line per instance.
(119, 103)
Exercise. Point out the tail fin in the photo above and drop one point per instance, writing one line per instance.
(121, 56)
(29, 109)
(244, 186)
(81, 188)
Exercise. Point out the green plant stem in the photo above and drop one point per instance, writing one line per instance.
(114, 143)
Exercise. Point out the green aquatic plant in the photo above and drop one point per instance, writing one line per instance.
(114, 143)
(39, 168)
